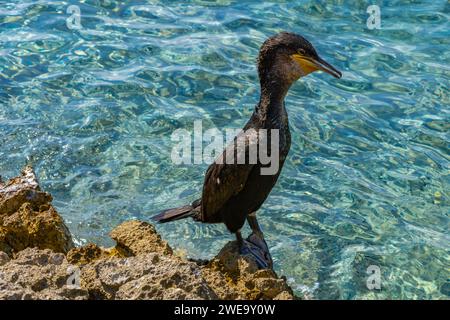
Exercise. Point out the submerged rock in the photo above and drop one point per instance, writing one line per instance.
(140, 266)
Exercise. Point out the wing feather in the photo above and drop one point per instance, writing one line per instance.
(224, 180)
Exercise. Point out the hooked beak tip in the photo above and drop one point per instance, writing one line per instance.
(328, 68)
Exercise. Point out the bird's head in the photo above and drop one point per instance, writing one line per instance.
(286, 57)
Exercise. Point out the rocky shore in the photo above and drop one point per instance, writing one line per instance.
(38, 259)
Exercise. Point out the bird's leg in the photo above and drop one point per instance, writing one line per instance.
(255, 245)
(251, 219)
(257, 238)
(239, 239)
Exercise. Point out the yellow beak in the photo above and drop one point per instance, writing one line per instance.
(309, 65)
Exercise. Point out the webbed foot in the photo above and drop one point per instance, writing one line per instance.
(256, 247)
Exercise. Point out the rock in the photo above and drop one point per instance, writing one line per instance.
(147, 276)
(38, 274)
(233, 276)
(38, 259)
(149, 270)
(27, 219)
(11, 291)
(143, 268)
(285, 295)
(132, 238)
(43, 228)
(4, 258)
(137, 237)
(22, 189)
(89, 253)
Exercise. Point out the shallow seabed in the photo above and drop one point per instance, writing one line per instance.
(367, 178)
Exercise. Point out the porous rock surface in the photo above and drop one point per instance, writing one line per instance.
(27, 218)
(38, 259)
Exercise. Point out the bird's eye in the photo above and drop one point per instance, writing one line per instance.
(301, 51)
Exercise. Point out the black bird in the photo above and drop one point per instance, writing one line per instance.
(232, 193)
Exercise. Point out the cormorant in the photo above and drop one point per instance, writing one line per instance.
(232, 193)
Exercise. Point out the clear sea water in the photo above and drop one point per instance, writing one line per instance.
(367, 178)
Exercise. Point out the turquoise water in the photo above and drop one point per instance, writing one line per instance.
(367, 178)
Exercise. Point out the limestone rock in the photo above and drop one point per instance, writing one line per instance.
(3, 258)
(22, 189)
(38, 274)
(137, 237)
(89, 253)
(27, 219)
(237, 277)
(146, 276)
(38, 259)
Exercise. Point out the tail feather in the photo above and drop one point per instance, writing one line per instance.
(175, 214)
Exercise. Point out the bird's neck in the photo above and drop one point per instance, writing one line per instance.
(271, 103)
